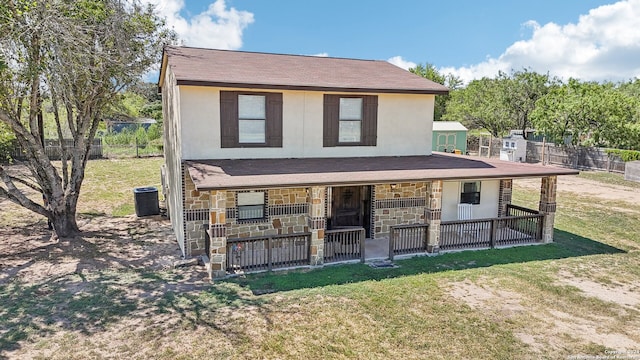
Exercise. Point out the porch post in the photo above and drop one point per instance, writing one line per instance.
(433, 215)
(504, 197)
(217, 266)
(548, 206)
(316, 220)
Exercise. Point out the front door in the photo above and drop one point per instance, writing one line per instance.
(351, 207)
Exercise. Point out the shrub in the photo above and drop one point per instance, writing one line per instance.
(125, 137)
(625, 155)
(157, 143)
(154, 132)
(141, 137)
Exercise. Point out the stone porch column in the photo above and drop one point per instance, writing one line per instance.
(504, 196)
(433, 215)
(316, 220)
(548, 206)
(217, 234)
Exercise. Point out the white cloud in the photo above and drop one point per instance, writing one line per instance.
(603, 45)
(402, 63)
(217, 27)
(323, 54)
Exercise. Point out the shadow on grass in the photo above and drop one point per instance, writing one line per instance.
(90, 304)
(566, 245)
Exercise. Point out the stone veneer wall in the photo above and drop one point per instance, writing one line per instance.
(398, 204)
(504, 196)
(196, 206)
(286, 209)
(548, 188)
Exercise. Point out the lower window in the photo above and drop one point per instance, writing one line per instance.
(470, 193)
(251, 205)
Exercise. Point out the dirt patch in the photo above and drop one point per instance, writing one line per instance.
(556, 328)
(581, 186)
(550, 328)
(626, 295)
(480, 296)
(29, 255)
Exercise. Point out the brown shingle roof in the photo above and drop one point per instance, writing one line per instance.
(263, 173)
(208, 67)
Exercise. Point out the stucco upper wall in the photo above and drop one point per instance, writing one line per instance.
(404, 126)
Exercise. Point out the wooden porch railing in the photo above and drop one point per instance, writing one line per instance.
(344, 244)
(465, 234)
(515, 210)
(268, 252)
(489, 233)
(407, 239)
(515, 230)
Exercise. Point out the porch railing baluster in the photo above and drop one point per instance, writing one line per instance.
(407, 239)
(344, 244)
(268, 252)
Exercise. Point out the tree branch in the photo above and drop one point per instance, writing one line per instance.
(63, 145)
(15, 195)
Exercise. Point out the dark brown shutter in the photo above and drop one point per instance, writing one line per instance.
(273, 124)
(229, 119)
(331, 113)
(370, 120)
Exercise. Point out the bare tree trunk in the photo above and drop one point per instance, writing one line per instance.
(64, 224)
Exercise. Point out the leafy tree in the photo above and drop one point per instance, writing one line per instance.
(589, 114)
(451, 81)
(519, 93)
(7, 141)
(153, 111)
(152, 105)
(131, 104)
(480, 106)
(79, 54)
(631, 88)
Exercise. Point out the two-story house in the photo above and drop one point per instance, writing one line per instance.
(284, 160)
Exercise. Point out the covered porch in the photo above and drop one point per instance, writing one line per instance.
(521, 226)
(364, 208)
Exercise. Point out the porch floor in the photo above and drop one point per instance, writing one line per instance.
(376, 248)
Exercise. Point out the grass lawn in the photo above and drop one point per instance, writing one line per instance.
(609, 178)
(109, 184)
(578, 295)
(107, 190)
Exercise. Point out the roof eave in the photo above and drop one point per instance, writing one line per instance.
(381, 181)
(308, 88)
(163, 69)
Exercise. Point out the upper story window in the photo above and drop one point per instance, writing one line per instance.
(470, 193)
(350, 120)
(250, 119)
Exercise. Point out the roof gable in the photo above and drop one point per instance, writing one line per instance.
(225, 68)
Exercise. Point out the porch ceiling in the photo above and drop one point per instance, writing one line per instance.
(264, 173)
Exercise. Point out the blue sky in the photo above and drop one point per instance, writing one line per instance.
(587, 39)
